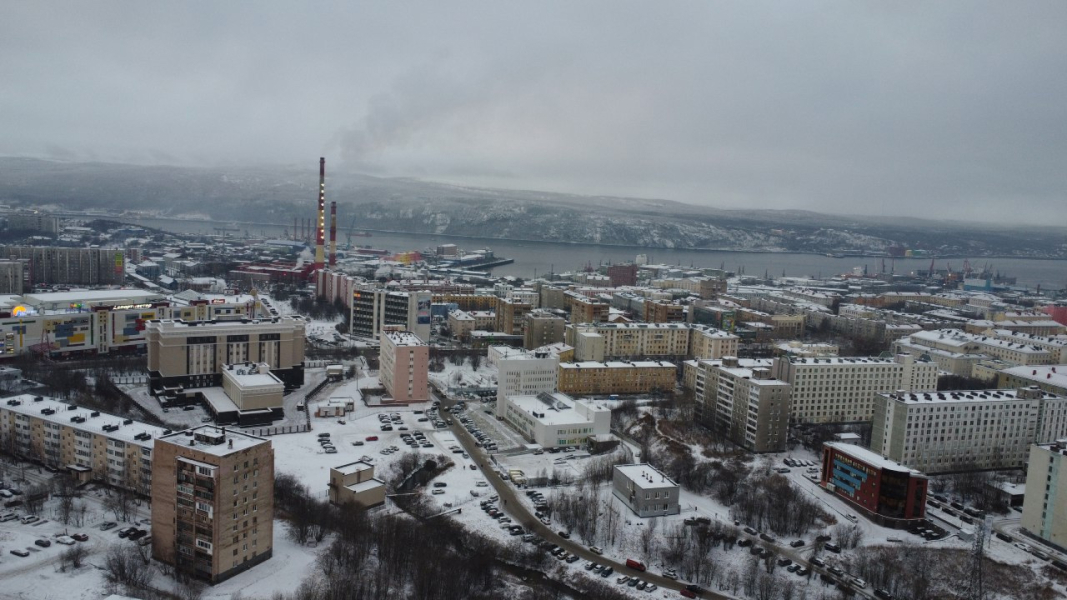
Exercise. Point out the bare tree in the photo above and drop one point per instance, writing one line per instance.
(73, 557)
(124, 565)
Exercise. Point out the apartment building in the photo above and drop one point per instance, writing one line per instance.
(1045, 505)
(708, 342)
(33, 221)
(374, 309)
(619, 275)
(212, 502)
(586, 310)
(192, 354)
(1051, 378)
(468, 302)
(842, 390)
(50, 265)
(960, 342)
(510, 316)
(606, 341)
(404, 367)
(739, 397)
(662, 312)
(543, 328)
(12, 276)
(617, 377)
(88, 444)
(461, 324)
(1056, 346)
(938, 432)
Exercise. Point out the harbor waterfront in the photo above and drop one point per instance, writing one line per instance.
(535, 258)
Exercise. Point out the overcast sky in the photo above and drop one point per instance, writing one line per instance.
(933, 109)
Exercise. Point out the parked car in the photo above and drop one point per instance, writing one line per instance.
(108, 525)
(21, 553)
(42, 543)
(66, 540)
(81, 537)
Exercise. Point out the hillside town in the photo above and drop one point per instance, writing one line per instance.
(224, 417)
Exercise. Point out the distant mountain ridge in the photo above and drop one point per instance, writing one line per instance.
(278, 194)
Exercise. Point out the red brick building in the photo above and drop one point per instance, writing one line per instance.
(883, 490)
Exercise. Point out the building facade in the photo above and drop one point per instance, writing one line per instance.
(739, 397)
(645, 490)
(886, 492)
(88, 444)
(542, 329)
(50, 265)
(373, 309)
(939, 432)
(617, 377)
(212, 502)
(838, 390)
(404, 367)
(511, 315)
(192, 354)
(1045, 504)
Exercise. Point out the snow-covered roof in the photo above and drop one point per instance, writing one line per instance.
(353, 468)
(871, 458)
(646, 477)
(62, 413)
(233, 440)
(913, 398)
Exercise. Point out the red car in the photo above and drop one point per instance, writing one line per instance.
(372, 438)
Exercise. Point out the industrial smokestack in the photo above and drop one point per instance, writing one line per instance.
(296, 231)
(320, 225)
(333, 233)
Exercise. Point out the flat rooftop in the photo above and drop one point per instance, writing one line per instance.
(646, 476)
(353, 468)
(404, 338)
(64, 412)
(241, 441)
(961, 396)
(618, 364)
(871, 458)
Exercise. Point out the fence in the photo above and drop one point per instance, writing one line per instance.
(269, 431)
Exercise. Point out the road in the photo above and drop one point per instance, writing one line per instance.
(513, 505)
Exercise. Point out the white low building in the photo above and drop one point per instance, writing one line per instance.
(555, 419)
(645, 490)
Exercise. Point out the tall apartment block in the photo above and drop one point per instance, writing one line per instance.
(192, 354)
(663, 312)
(12, 274)
(78, 266)
(1045, 506)
(212, 502)
(542, 328)
(404, 366)
(374, 309)
(739, 397)
(938, 432)
(842, 390)
(622, 275)
(511, 315)
(87, 444)
(586, 310)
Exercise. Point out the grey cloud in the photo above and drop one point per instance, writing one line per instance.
(948, 109)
